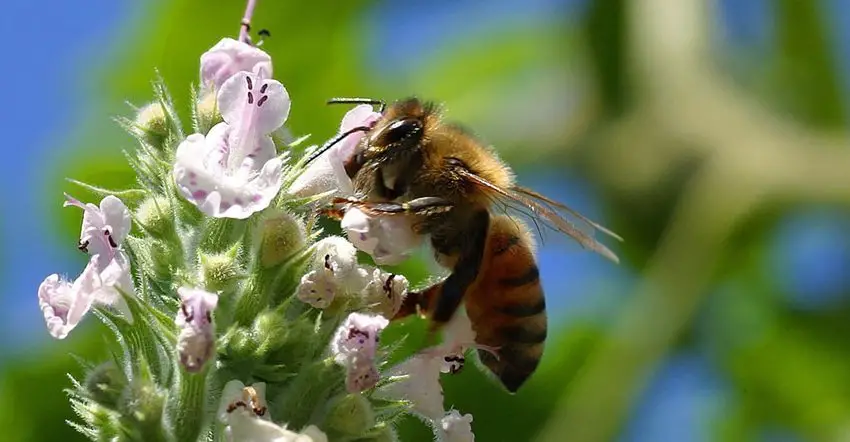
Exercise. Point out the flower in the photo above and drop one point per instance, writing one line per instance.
(104, 228)
(419, 383)
(357, 336)
(197, 335)
(388, 239)
(455, 428)
(244, 411)
(334, 270)
(327, 173)
(385, 293)
(355, 345)
(64, 304)
(230, 56)
(233, 172)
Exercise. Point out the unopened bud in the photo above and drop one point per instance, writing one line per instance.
(155, 214)
(382, 433)
(143, 402)
(152, 124)
(350, 414)
(220, 272)
(208, 113)
(105, 383)
(270, 328)
(283, 234)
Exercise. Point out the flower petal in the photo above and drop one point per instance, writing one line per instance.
(64, 304)
(360, 115)
(204, 181)
(117, 217)
(230, 56)
(247, 100)
(388, 239)
(455, 428)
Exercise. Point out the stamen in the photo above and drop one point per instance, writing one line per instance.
(109, 239)
(250, 98)
(263, 88)
(186, 314)
(209, 317)
(83, 246)
(262, 100)
(250, 84)
(388, 285)
(328, 263)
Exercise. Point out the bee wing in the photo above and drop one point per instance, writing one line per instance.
(544, 209)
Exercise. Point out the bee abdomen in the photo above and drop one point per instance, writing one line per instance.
(507, 305)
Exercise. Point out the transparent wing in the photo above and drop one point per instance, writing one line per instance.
(542, 209)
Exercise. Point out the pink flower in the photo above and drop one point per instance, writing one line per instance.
(196, 339)
(64, 303)
(104, 228)
(230, 56)
(327, 172)
(234, 171)
(355, 345)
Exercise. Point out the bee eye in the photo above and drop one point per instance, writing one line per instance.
(408, 129)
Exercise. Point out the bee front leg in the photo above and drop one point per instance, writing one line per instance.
(424, 206)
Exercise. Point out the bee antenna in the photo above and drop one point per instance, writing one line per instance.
(369, 101)
(334, 141)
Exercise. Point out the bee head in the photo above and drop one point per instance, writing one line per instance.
(399, 134)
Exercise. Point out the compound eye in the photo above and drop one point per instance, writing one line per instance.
(399, 131)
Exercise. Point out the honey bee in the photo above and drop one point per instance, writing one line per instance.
(412, 162)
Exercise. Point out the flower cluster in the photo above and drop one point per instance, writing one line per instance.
(222, 288)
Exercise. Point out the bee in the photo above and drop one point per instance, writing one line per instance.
(412, 162)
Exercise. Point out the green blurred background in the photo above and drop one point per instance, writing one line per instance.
(710, 134)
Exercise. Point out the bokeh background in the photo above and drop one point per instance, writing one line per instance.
(710, 134)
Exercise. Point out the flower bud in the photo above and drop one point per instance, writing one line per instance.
(105, 383)
(282, 235)
(153, 124)
(207, 111)
(143, 402)
(350, 414)
(155, 215)
(220, 272)
(270, 330)
(381, 433)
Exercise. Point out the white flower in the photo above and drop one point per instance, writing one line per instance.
(230, 56)
(197, 334)
(333, 270)
(388, 239)
(455, 428)
(327, 173)
(64, 304)
(233, 172)
(104, 228)
(244, 411)
(385, 293)
(420, 384)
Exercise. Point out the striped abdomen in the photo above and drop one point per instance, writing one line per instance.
(506, 304)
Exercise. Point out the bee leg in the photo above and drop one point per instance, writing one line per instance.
(465, 271)
(424, 206)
